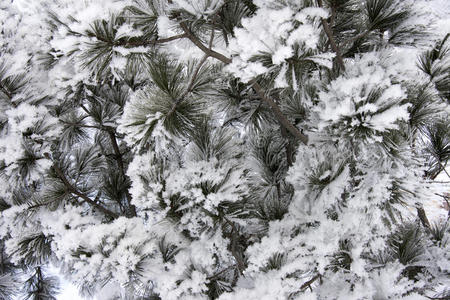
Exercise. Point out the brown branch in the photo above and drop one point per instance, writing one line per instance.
(221, 272)
(5, 91)
(211, 39)
(151, 43)
(202, 47)
(194, 76)
(8, 94)
(46, 203)
(309, 282)
(126, 43)
(443, 168)
(437, 298)
(239, 262)
(119, 159)
(279, 114)
(2, 259)
(118, 155)
(82, 125)
(358, 36)
(189, 88)
(72, 189)
(423, 217)
(333, 44)
(85, 109)
(288, 147)
(276, 110)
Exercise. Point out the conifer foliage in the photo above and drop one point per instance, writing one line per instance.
(223, 149)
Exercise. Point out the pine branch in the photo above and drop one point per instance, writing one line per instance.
(239, 262)
(2, 258)
(45, 203)
(215, 275)
(85, 109)
(357, 37)
(83, 125)
(287, 147)
(194, 77)
(276, 110)
(118, 156)
(423, 217)
(443, 168)
(189, 88)
(39, 282)
(8, 94)
(202, 47)
(309, 282)
(333, 44)
(148, 43)
(76, 192)
(279, 114)
(5, 91)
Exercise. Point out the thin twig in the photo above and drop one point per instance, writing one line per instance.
(142, 43)
(46, 203)
(444, 168)
(82, 125)
(5, 91)
(72, 189)
(358, 36)
(333, 44)
(194, 77)
(288, 146)
(2, 264)
(119, 159)
(240, 263)
(202, 47)
(309, 282)
(423, 217)
(189, 88)
(211, 39)
(437, 298)
(221, 272)
(279, 114)
(8, 94)
(277, 111)
(85, 109)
